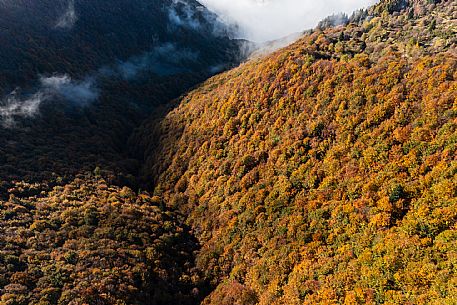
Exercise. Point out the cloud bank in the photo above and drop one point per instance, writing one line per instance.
(265, 20)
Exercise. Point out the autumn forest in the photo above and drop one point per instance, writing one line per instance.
(324, 172)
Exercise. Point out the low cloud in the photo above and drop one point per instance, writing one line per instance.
(181, 14)
(163, 60)
(16, 106)
(69, 18)
(12, 107)
(77, 92)
(264, 20)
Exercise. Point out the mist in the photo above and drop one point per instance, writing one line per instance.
(69, 18)
(199, 18)
(181, 14)
(266, 20)
(79, 93)
(164, 60)
(17, 106)
(13, 106)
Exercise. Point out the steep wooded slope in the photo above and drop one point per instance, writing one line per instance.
(326, 172)
(130, 57)
(67, 235)
(92, 243)
(81, 36)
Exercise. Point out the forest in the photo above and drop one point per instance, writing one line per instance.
(323, 173)
(90, 243)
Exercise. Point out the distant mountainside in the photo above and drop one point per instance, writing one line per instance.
(324, 173)
(77, 77)
(81, 36)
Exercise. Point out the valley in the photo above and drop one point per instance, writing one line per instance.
(322, 173)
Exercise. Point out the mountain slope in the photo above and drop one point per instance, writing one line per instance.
(78, 76)
(91, 243)
(324, 173)
(79, 36)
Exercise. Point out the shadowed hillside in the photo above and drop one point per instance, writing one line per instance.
(78, 76)
(91, 243)
(80, 36)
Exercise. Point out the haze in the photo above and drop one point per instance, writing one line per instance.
(264, 20)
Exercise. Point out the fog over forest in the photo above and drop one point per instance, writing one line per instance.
(264, 20)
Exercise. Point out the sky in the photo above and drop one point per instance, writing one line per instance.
(265, 20)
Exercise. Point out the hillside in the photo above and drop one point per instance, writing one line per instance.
(76, 78)
(324, 173)
(91, 243)
(77, 37)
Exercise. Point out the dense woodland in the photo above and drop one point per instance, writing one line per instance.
(324, 173)
(63, 138)
(69, 234)
(101, 34)
(91, 243)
